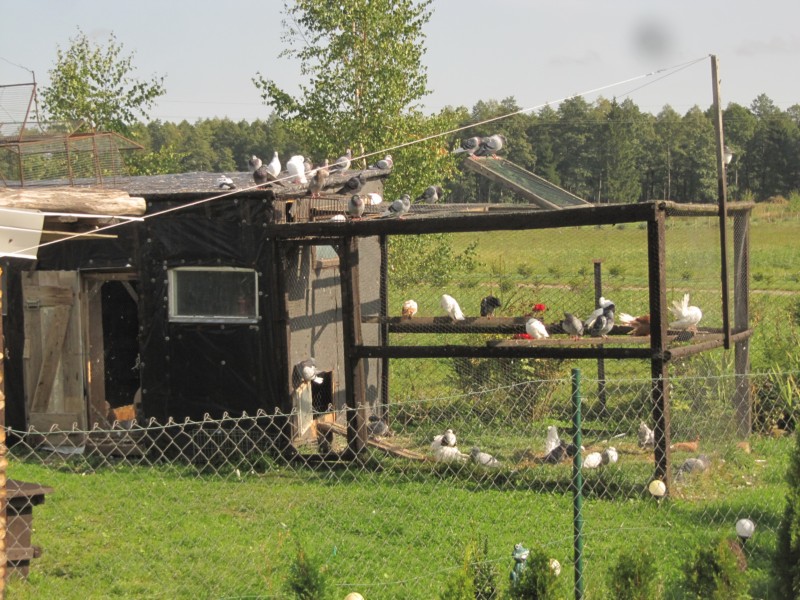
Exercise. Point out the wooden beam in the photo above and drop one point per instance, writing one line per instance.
(506, 349)
(75, 200)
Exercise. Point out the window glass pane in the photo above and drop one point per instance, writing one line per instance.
(213, 293)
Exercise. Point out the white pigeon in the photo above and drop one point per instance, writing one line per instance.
(339, 218)
(610, 455)
(225, 183)
(592, 460)
(274, 166)
(374, 198)
(687, 317)
(296, 169)
(646, 436)
(552, 440)
(308, 371)
(536, 329)
(409, 309)
(448, 454)
(451, 307)
(483, 458)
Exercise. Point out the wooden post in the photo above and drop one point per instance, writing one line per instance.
(3, 459)
(354, 376)
(656, 236)
(282, 347)
(601, 363)
(741, 308)
(384, 327)
(722, 191)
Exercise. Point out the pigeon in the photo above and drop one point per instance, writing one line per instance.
(254, 162)
(592, 460)
(561, 452)
(448, 438)
(339, 218)
(693, 465)
(448, 454)
(353, 185)
(399, 207)
(308, 371)
(468, 145)
(374, 198)
(610, 455)
(638, 325)
(262, 176)
(483, 458)
(343, 162)
(552, 440)
(225, 183)
(296, 169)
(274, 166)
(646, 436)
(490, 145)
(451, 307)
(488, 306)
(598, 325)
(431, 195)
(355, 206)
(308, 166)
(536, 329)
(377, 428)
(409, 309)
(572, 325)
(384, 163)
(318, 180)
(687, 317)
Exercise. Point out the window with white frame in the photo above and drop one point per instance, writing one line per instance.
(213, 295)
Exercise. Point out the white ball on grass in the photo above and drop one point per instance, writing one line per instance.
(657, 488)
(354, 596)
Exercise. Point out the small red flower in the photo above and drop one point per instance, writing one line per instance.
(522, 336)
(539, 307)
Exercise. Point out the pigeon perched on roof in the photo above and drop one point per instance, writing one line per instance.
(599, 325)
(483, 458)
(339, 218)
(489, 146)
(343, 162)
(385, 163)
(536, 329)
(610, 455)
(639, 325)
(592, 460)
(355, 206)
(409, 309)
(308, 370)
(225, 183)
(274, 166)
(552, 439)
(572, 325)
(262, 176)
(693, 465)
(399, 207)
(646, 436)
(489, 304)
(373, 198)
(376, 427)
(468, 145)
(431, 195)
(451, 307)
(296, 169)
(353, 185)
(687, 317)
(254, 162)
(318, 180)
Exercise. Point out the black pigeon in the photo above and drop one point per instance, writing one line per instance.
(431, 194)
(488, 305)
(561, 452)
(353, 185)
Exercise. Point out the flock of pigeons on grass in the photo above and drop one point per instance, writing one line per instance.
(598, 324)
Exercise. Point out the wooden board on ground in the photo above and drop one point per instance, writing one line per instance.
(374, 443)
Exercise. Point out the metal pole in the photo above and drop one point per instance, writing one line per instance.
(577, 479)
(601, 363)
(3, 460)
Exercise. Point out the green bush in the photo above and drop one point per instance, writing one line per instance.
(476, 579)
(634, 575)
(787, 557)
(307, 579)
(537, 582)
(713, 573)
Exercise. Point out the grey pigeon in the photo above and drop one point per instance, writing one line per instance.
(225, 183)
(432, 194)
(318, 180)
(308, 371)
(489, 146)
(693, 465)
(377, 428)
(399, 207)
(483, 458)
(572, 325)
(599, 325)
(385, 163)
(353, 185)
(488, 306)
(343, 162)
(355, 206)
(254, 162)
(468, 145)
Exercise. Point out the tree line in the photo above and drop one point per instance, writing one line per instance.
(605, 151)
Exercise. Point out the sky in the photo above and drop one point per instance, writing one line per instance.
(537, 52)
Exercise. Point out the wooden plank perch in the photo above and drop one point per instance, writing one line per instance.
(398, 451)
(74, 200)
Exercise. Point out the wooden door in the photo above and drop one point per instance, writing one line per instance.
(53, 358)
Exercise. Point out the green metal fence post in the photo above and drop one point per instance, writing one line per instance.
(577, 479)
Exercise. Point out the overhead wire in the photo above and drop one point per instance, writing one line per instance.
(664, 72)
